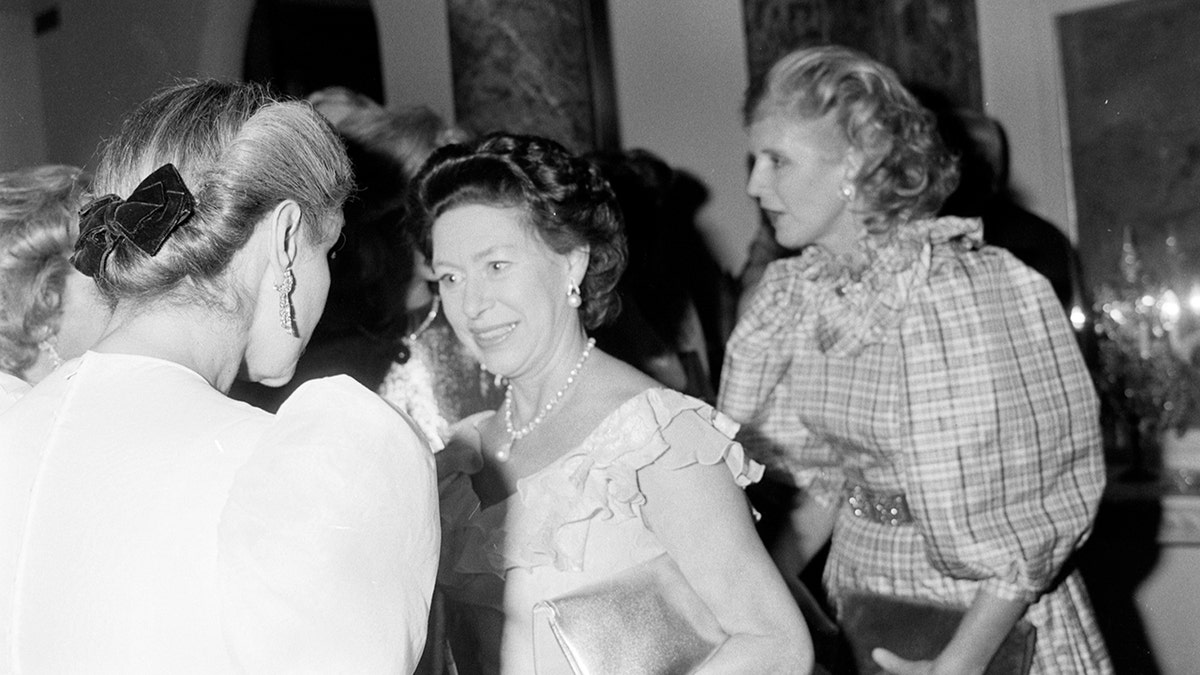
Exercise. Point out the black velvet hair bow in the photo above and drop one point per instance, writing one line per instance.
(146, 218)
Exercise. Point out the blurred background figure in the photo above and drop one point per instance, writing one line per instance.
(659, 329)
(983, 192)
(49, 312)
(337, 103)
(383, 286)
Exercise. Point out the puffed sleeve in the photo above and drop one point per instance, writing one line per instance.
(1003, 462)
(755, 385)
(328, 543)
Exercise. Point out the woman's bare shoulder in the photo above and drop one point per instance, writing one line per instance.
(615, 382)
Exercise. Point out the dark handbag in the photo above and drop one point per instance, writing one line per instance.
(644, 621)
(917, 630)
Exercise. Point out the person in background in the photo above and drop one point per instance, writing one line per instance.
(658, 329)
(589, 467)
(48, 312)
(924, 392)
(336, 103)
(430, 374)
(984, 192)
(148, 522)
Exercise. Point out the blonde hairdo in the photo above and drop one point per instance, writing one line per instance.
(907, 172)
(241, 151)
(38, 225)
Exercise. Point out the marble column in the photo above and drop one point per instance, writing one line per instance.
(932, 44)
(534, 66)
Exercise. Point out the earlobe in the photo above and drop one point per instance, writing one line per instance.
(285, 222)
(577, 264)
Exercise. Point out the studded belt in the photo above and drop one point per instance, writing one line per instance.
(878, 506)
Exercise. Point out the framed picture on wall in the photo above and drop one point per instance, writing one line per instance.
(1131, 87)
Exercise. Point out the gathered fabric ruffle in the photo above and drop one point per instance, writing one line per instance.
(857, 303)
(842, 304)
(546, 522)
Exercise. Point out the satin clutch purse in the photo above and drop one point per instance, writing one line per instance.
(920, 630)
(647, 620)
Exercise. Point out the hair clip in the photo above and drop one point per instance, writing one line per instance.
(155, 208)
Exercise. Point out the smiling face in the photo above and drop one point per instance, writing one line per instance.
(800, 167)
(504, 290)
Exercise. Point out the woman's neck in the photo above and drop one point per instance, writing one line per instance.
(531, 393)
(199, 339)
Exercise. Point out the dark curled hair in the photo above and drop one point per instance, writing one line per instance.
(907, 172)
(565, 199)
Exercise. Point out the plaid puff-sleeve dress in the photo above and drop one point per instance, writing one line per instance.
(944, 370)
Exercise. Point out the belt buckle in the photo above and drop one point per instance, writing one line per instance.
(883, 508)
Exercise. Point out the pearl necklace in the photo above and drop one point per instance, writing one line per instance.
(516, 434)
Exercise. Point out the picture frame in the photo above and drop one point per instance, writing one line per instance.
(1032, 87)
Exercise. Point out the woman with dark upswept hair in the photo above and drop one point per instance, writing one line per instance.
(588, 469)
(922, 390)
(148, 522)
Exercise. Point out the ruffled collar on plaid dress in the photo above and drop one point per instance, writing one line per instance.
(858, 299)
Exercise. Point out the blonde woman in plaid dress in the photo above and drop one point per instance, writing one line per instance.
(922, 389)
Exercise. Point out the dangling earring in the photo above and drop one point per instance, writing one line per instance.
(574, 299)
(47, 347)
(848, 192)
(287, 319)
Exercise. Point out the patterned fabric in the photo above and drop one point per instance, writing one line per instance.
(575, 522)
(945, 370)
(440, 383)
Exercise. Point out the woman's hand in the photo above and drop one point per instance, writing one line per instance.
(897, 666)
(987, 622)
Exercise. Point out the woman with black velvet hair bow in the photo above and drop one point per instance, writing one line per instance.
(148, 523)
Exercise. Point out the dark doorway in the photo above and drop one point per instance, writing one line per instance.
(299, 46)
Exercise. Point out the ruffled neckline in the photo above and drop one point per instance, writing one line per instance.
(545, 522)
(858, 299)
